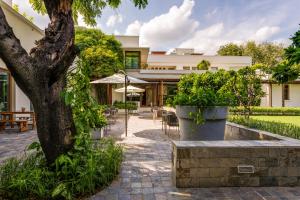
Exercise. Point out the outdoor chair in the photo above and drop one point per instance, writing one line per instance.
(164, 115)
(172, 121)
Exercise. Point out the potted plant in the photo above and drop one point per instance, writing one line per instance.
(201, 105)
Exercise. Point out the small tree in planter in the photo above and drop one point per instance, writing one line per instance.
(201, 105)
(246, 85)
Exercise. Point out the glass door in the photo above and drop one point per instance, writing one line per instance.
(4, 90)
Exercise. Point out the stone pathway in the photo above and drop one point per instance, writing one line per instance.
(13, 143)
(146, 171)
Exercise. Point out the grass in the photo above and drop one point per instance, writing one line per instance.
(295, 120)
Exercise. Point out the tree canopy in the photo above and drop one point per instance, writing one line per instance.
(293, 51)
(268, 54)
(101, 52)
(89, 9)
(203, 65)
(230, 49)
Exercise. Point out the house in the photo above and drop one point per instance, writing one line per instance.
(11, 96)
(163, 70)
(274, 91)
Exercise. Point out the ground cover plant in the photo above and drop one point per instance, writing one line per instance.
(121, 105)
(295, 120)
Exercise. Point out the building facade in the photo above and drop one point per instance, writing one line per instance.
(11, 96)
(163, 70)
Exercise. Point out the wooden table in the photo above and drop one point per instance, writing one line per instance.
(8, 117)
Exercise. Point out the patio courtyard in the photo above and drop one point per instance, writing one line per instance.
(146, 168)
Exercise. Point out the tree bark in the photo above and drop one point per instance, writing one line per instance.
(282, 95)
(42, 75)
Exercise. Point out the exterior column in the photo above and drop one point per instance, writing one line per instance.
(161, 96)
(270, 95)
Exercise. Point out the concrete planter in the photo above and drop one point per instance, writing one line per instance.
(212, 129)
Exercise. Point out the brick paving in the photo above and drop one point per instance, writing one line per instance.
(13, 143)
(146, 169)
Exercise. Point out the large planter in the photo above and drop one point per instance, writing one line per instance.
(212, 129)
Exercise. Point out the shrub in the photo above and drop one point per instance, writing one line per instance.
(121, 105)
(70, 176)
(279, 128)
(203, 65)
(287, 111)
(204, 90)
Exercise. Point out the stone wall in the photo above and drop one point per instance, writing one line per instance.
(224, 163)
(238, 132)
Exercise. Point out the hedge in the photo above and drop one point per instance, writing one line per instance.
(284, 129)
(121, 105)
(287, 111)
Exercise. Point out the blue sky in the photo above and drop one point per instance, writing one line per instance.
(200, 24)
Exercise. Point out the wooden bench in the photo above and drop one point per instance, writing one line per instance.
(23, 124)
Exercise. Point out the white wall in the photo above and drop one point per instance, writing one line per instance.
(276, 95)
(21, 100)
(117, 96)
(128, 41)
(294, 96)
(265, 100)
(224, 62)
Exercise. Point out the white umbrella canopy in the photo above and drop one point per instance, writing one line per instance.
(130, 89)
(118, 79)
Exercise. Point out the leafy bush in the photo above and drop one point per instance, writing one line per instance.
(279, 128)
(121, 105)
(203, 65)
(204, 90)
(71, 176)
(288, 111)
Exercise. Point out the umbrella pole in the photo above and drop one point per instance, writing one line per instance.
(126, 111)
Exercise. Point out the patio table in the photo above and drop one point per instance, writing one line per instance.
(8, 117)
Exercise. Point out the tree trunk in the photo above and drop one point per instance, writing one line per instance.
(42, 75)
(55, 125)
(282, 95)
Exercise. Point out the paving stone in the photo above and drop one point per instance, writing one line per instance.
(147, 161)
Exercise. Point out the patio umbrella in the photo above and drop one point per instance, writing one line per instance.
(118, 79)
(130, 89)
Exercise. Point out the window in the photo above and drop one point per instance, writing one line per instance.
(4, 90)
(186, 68)
(214, 68)
(132, 59)
(194, 68)
(286, 92)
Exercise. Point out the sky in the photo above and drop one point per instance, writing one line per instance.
(200, 24)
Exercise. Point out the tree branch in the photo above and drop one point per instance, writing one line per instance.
(15, 56)
(57, 49)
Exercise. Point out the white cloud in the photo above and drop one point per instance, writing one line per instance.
(166, 28)
(208, 40)
(113, 20)
(134, 28)
(116, 32)
(264, 33)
